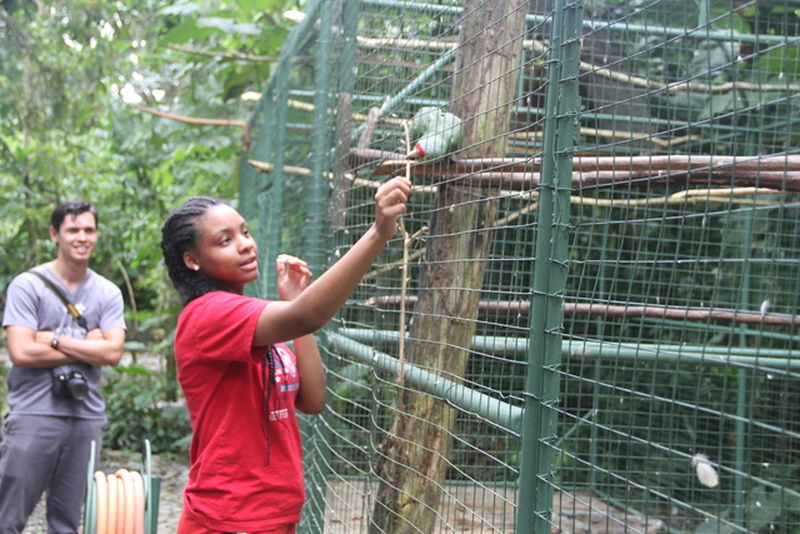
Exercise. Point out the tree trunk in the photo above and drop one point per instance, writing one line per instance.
(414, 455)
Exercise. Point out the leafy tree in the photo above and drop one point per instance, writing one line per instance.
(78, 82)
(70, 73)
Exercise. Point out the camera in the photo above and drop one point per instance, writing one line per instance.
(69, 383)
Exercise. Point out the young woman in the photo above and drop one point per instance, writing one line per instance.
(241, 383)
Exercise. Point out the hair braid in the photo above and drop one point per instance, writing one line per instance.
(178, 235)
(269, 362)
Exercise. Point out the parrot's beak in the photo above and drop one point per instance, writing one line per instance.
(418, 152)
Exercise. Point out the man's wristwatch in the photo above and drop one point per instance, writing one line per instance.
(54, 342)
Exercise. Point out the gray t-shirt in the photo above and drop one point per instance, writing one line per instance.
(31, 303)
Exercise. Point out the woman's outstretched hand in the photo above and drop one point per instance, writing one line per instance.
(307, 306)
(390, 203)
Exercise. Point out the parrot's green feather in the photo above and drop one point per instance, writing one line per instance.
(421, 121)
(438, 132)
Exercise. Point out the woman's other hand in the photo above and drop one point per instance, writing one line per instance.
(293, 276)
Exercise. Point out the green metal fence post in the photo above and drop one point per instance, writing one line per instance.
(315, 239)
(273, 110)
(742, 404)
(550, 272)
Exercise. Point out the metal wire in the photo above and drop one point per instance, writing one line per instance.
(658, 393)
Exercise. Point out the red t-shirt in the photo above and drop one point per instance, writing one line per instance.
(237, 481)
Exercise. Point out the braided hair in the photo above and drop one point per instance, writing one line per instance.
(178, 235)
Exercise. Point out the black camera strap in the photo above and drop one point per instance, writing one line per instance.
(73, 311)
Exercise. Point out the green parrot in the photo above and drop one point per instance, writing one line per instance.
(435, 134)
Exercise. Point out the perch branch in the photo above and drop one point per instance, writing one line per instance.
(541, 47)
(686, 86)
(617, 311)
(612, 134)
(417, 254)
(373, 116)
(427, 44)
(193, 120)
(781, 172)
(401, 223)
(673, 163)
(690, 196)
(306, 106)
(265, 166)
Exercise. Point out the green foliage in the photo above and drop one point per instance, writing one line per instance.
(69, 72)
(137, 408)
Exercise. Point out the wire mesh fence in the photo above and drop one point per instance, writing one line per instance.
(587, 320)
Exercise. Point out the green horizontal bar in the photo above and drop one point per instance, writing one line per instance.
(391, 103)
(500, 413)
(618, 25)
(765, 359)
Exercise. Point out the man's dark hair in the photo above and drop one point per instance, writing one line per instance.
(178, 235)
(71, 207)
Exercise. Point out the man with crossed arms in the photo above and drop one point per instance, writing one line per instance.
(56, 409)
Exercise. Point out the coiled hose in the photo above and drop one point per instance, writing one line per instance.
(123, 502)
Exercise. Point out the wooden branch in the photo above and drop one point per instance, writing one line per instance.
(780, 181)
(426, 44)
(414, 256)
(230, 54)
(690, 196)
(686, 86)
(616, 311)
(373, 116)
(673, 163)
(780, 172)
(586, 131)
(679, 314)
(193, 120)
(264, 166)
(541, 47)
(725, 195)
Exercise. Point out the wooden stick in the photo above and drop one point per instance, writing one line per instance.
(617, 311)
(691, 196)
(193, 120)
(401, 345)
(777, 172)
(676, 163)
(662, 142)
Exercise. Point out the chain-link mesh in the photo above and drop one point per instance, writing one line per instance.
(587, 322)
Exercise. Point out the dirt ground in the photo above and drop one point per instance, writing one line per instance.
(479, 510)
(466, 509)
